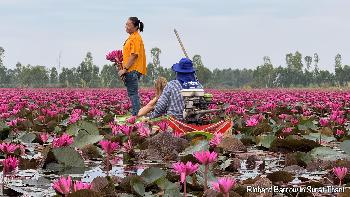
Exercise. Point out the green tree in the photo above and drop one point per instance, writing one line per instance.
(203, 73)
(155, 53)
(53, 75)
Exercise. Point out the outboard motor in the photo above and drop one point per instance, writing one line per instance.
(196, 109)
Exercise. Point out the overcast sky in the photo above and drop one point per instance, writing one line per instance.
(231, 33)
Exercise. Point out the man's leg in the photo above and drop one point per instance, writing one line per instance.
(132, 87)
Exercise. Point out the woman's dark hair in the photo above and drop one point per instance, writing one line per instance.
(137, 23)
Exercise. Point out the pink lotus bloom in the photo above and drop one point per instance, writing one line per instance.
(324, 122)
(10, 164)
(185, 169)
(283, 116)
(126, 129)
(287, 130)
(79, 185)
(340, 121)
(74, 118)
(127, 146)
(294, 121)
(340, 172)
(108, 146)
(8, 148)
(115, 128)
(64, 140)
(252, 122)
(163, 125)
(44, 137)
(12, 123)
(144, 131)
(205, 157)
(224, 185)
(131, 120)
(216, 140)
(63, 185)
(339, 132)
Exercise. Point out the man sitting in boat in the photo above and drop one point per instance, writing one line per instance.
(171, 101)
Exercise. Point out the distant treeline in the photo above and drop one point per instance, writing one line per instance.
(299, 71)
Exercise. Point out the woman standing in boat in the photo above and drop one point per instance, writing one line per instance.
(134, 61)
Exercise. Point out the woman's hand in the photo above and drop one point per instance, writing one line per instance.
(121, 73)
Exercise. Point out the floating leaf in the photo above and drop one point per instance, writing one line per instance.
(327, 154)
(68, 157)
(201, 145)
(306, 125)
(266, 140)
(152, 174)
(87, 128)
(170, 189)
(81, 140)
(316, 137)
(345, 146)
(27, 137)
(137, 185)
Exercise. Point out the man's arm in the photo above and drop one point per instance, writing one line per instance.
(162, 103)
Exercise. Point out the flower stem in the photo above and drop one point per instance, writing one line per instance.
(226, 194)
(107, 164)
(206, 177)
(185, 188)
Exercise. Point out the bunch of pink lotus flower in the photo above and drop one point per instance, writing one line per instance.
(115, 56)
(64, 186)
(63, 140)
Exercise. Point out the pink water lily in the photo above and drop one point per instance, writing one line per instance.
(10, 164)
(62, 141)
(44, 137)
(143, 131)
(8, 148)
(184, 170)
(127, 146)
(339, 132)
(252, 122)
(163, 125)
(340, 172)
(216, 140)
(63, 185)
(79, 185)
(126, 129)
(224, 185)
(131, 120)
(324, 122)
(108, 146)
(287, 130)
(206, 158)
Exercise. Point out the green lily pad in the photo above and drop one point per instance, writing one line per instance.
(27, 137)
(68, 157)
(82, 140)
(85, 127)
(137, 185)
(327, 154)
(307, 124)
(266, 141)
(316, 137)
(345, 146)
(152, 174)
(200, 146)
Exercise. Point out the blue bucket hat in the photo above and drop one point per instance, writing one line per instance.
(184, 66)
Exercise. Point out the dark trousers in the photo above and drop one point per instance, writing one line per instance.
(132, 86)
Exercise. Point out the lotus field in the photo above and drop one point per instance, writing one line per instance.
(75, 142)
